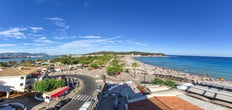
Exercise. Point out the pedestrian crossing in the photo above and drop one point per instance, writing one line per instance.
(82, 97)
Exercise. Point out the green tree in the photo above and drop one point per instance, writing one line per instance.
(157, 81)
(135, 65)
(67, 60)
(170, 83)
(47, 85)
(94, 65)
(113, 69)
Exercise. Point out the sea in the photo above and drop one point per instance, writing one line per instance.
(34, 58)
(217, 67)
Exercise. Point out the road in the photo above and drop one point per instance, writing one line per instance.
(88, 88)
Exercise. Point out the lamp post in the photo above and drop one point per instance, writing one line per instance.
(145, 73)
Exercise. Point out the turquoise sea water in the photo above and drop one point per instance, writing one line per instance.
(20, 59)
(216, 67)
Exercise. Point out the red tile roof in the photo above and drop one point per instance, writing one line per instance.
(163, 103)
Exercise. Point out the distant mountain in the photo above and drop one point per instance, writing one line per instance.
(21, 55)
(127, 53)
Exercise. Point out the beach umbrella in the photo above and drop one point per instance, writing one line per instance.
(221, 79)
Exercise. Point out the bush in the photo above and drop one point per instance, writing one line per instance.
(157, 81)
(170, 83)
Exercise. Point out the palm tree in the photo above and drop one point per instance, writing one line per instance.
(135, 65)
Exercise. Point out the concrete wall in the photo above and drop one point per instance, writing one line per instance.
(13, 82)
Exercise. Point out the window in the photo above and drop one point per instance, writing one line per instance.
(21, 84)
(22, 78)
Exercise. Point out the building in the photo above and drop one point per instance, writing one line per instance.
(48, 96)
(17, 79)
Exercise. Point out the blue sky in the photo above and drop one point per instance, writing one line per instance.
(179, 27)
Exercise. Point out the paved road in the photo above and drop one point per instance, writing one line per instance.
(89, 86)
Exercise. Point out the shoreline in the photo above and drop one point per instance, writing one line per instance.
(153, 69)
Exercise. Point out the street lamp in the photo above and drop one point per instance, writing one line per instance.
(145, 73)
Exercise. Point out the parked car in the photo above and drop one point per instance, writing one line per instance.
(62, 103)
(13, 106)
(39, 97)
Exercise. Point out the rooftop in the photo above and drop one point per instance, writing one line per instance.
(6, 71)
(163, 103)
(107, 102)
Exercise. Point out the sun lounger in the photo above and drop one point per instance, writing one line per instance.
(209, 94)
(224, 97)
(196, 91)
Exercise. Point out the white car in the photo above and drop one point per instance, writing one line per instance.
(87, 105)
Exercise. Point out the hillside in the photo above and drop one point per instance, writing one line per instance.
(127, 53)
(21, 55)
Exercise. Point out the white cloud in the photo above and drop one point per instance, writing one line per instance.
(59, 38)
(48, 41)
(35, 29)
(55, 19)
(26, 44)
(90, 42)
(64, 37)
(40, 39)
(44, 40)
(39, 44)
(7, 45)
(137, 43)
(20, 33)
(62, 26)
(16, 32)
(58, 22)
(91, 37)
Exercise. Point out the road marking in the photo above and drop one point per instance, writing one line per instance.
(89, 97)
(86, 98)
(82, 97)
(76, 96)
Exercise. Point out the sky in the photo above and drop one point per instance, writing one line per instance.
(173, 27)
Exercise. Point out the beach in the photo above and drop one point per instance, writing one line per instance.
(151, 70)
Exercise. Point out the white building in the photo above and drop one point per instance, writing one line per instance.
(16, 79)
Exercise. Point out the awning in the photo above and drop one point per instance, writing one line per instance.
(60, 92)
(57, 92)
